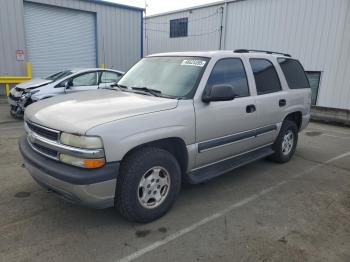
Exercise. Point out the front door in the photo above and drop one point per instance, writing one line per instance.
(226, 128)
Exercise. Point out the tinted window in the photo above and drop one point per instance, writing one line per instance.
(88, 79)
(178, 27)
(109, 77)
(294, 73)
(230, 72)
(266, 78)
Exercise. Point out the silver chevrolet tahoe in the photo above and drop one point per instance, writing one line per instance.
(173, 117)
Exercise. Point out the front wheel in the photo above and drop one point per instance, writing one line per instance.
(148, 184)
(285, 143)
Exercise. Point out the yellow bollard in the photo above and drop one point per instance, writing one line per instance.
(29, 70)
(102, 66)
(7, 88)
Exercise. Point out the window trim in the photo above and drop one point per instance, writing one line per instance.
(245, 73)
(176, 23)
(296, 60)
(278, 77)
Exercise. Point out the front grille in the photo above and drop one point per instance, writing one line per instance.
(45, 150)
(44, 132)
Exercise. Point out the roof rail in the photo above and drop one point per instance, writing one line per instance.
(259, 51)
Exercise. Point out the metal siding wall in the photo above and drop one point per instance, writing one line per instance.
(64, 37)
(157, 39)
(11, 37)
(315, 31)
(118, 33)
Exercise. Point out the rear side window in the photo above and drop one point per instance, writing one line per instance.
(230, 71)
(110, 77)
(266, 78)
(294, 73)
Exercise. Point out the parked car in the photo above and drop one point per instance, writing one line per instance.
(63, 82)
(177, 116)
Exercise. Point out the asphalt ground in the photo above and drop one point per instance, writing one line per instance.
(298, 211)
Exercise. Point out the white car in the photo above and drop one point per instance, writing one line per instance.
(60, 83)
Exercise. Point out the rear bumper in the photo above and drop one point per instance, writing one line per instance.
(93, 187)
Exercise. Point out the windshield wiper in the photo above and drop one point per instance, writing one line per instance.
(151, 91)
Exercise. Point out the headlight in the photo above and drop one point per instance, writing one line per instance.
(26, 95)
(81, 162)
(89, 142)
(29, 94)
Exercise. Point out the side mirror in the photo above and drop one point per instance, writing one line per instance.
(218, 93)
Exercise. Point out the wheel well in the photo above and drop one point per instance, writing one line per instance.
(296, 117)
(174, 145)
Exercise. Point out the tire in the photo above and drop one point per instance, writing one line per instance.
(284, 153)
(135, 183)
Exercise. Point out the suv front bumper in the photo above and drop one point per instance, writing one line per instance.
(90, 187)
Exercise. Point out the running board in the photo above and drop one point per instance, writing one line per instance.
(206, 173)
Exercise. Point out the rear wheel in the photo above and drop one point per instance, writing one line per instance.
(148, 184)
(285, 143)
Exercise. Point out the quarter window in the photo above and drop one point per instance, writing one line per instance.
(314, 80)
(178, 27)
(230, 71)
(294, 73)
(266, 78)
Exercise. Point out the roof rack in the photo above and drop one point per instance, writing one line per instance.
(260, 51)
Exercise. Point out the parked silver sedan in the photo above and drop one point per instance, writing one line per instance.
(60, 83)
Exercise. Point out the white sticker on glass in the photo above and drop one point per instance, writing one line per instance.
(193, 62)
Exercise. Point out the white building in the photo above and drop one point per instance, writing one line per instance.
(317, 32)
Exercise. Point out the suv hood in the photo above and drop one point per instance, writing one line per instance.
(76, 113)
(37, 82)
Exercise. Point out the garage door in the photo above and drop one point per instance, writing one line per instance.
(59, 38)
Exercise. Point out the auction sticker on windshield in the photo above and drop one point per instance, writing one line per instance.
(193, 62)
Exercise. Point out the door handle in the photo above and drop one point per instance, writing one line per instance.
(250, 109)
(282, 102)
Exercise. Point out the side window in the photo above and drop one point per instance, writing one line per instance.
(88, 79)
(266, 78)
(230, 71)
(294, 73)
(110, 77)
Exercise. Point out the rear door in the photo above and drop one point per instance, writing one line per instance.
(109, 78)
(225, 128)
(271, 99)
(83, 82)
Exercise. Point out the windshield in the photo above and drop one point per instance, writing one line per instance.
(59, 75)
(169, 76)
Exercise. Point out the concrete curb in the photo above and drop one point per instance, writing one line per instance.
(330, 115)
